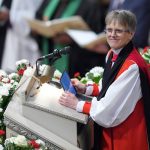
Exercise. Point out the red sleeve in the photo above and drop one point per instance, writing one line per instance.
(95, 90)
(86, 107)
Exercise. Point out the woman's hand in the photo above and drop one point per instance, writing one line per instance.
(80, 87)
(69, 100)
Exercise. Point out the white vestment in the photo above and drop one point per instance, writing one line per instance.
(19, 44)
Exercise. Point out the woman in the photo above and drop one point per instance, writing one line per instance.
(120, 110)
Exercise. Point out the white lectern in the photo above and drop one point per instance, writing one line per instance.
(34, 112)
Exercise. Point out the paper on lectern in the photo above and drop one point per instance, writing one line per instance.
(51, 28)
(86, 38)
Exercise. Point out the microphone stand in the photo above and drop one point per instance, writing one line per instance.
(52, 60)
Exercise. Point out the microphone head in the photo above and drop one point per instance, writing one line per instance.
(65, 50)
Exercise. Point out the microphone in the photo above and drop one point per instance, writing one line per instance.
(57, 53)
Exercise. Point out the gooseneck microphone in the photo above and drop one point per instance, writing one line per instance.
(56, 53)
(53, 56)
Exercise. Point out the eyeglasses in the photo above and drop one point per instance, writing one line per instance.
(116, 31)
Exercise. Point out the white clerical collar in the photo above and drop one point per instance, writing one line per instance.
(116, 51)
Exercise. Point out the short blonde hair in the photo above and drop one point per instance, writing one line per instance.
(124, 17)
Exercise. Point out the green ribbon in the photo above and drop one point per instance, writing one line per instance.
(62, 63)
(48, 12)
(51, 7)
(71, 8)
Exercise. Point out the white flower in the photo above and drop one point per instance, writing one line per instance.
(13, 75)
(12, 81)
(3, 73)
(1, 147)
(94, 75)
(1, 109)
(20, 140)
(97, 70)
(23, 61)
(15, 83)
(10, 140)
(8, 86)
(5, 80)
(40, 142)
(4, 91)
(145, 54)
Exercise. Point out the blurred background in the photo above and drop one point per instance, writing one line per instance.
(19, 41)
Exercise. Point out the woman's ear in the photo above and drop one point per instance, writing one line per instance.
(131, 35)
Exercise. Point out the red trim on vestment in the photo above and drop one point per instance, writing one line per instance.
(86, 107)
(125, 66)
(95, 90)
(130, 134)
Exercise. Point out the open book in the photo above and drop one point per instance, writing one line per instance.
(51, 28)
(86, 38)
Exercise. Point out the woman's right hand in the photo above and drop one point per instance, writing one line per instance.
(80, 87)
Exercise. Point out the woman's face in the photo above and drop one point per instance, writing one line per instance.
(117, 35)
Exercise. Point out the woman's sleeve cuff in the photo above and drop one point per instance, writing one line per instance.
(80, 106)
(89, 90)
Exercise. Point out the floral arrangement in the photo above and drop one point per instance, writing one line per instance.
(8, 85)
(22, 65)
(93, 76)
(96, 73)
(146, 54)
(22, 143)
(2, 137)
